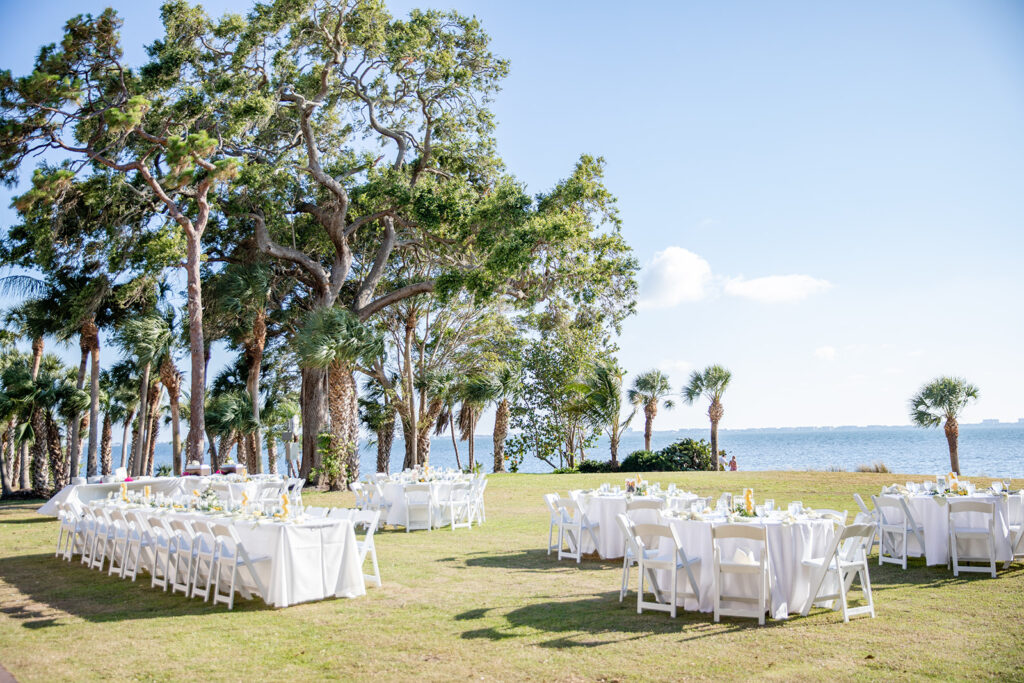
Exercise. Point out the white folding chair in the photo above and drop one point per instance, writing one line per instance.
(91, 524)
(1015, 523)
(159, 571)
(896, 525)
(183, 553)
(118, 544)
(139, 541)
(458, 508)
(844, 561)
(419, 507)
(630, 550)
(659, 548)
(377, 501)
(759, 568)
(478, 512)
(575, 524)
(871, 515)
(341, 513)
(72, 531)
(316, 512)
(204, 563)
(360, 493)
(106, 533)
(555, 512)
(368, 519)
(972, 521)
(233, 558)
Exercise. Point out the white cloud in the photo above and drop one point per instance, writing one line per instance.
(674, 276)
(776, 288)
(825, 352)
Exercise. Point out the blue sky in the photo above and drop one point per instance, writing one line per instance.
(826, 196)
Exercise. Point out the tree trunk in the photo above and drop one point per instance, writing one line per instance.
(105, 444)
(472, 441)
(254, 358)
(75, 445)
(412, 447)
(124, 437)
(40, 466)
(171, 379)
(93, 335)
(408, 435)
(197, 415)
(140, 432)
(214, 458)
(715, 412)
(60, 463)
(385, 437)
(650, 410)
(6, 457)
(455, 443)
(314, 412)
(224, 449)
(343, 404)
(952, 438)
(500, 433)
(153, 430)
(423, 447)
(271, 455)
(613, 442)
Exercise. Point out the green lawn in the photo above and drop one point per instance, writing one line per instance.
(488, 603)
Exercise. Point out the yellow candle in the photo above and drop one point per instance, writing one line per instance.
(748, 500)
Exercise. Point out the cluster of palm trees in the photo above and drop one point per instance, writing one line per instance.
(601, 400)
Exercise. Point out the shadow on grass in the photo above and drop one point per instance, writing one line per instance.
(601, 620)
(919, 575)
(50, 588)
(29, 520)
(534, 560)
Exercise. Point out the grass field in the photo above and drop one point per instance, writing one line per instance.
(488, 603)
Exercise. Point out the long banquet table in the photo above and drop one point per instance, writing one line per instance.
(310, 559)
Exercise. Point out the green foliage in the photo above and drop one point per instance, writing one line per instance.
(684, 455)
(941, 399)
(595, 467)
(333, 335)
(333, 457)
(164, 471)
(710, 382)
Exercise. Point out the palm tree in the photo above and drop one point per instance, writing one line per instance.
(602, 404)
(649, 388)
(277, 416)
(941, 399)
(146, 339)
(506, 385)
(474, 393)
(333, 338)
(123, 400)
(710, 382)
(378, 412)
(229, 415)
(446, 389)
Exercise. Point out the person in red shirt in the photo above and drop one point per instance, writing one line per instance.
(732, 464)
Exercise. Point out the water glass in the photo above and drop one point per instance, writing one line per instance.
(759, 510)
(769, 504)
(796, 507)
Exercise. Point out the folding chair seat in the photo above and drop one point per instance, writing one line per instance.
(726, 565)
(972, 521)
(368, 519)
(574, 525)
(658, 547)
(896, 526)
(843, 562)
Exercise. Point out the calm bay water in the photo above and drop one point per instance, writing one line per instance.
(993, 450)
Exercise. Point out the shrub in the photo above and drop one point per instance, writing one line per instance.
(566, 470)
(685, 455)
(878, 468)
(595, 466)
(163, 471)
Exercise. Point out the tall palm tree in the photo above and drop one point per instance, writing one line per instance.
(229, 415)
(602, 404)
(649, 389)
(941, 399)
(506, 386)
(122, 386)
(146, 339)
(378, 412)
(447, 392)
(474, 393)
(711, 382)
(333, 338)
(276, 418)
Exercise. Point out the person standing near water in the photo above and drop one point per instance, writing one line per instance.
(732, 464)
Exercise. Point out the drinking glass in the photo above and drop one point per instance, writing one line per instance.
(759, 510)
(769, 504)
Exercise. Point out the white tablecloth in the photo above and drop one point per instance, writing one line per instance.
(931, 513)
(77, 494)
(788, 545)
(309, 560)
(603, 510)
(394, 494)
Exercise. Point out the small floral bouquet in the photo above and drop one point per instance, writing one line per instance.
(741, 511)
(208, 501)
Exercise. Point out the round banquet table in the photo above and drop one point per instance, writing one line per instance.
(603, 508)
(311, 559)
(394, 495)
(931, 513)
(789, 543)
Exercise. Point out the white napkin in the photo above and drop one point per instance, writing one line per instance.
(742, 556)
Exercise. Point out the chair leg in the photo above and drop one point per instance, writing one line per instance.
(640, 589)
(625, 577)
